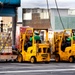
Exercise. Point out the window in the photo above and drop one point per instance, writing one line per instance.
(28, 10)
(34, 10)
(39, 50)
(44, 50)
(27, 16)
(48, 50)
(44, 15)
(71, 12)
(42, 10)
(31, 51)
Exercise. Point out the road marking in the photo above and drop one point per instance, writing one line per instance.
(40, 65)
(18, 67)
(22, 64)
(35, 71)
(68, 72)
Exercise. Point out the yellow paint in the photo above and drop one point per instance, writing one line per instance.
(69, 51)
(33, 51)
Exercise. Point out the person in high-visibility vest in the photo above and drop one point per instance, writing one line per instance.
(36, 37)
(74, 39)
(69, 38)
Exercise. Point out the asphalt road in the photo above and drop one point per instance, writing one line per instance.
(37, 69)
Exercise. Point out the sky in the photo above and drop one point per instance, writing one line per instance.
(43, 4)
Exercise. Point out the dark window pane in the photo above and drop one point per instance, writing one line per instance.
(44, 50)
(48, 50)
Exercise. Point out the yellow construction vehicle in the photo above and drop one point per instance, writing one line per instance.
(64, 45)
(32, 51)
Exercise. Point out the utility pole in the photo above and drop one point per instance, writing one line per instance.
(14, 22)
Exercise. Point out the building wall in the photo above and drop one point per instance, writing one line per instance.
(67, 17)
(39, 19)
(36, 18)
(54, 15)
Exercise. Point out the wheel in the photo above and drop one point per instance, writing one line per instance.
(57, 58)
(20, 58)
(71, 59)
(47, 62)
(33, 60)
(15, 60)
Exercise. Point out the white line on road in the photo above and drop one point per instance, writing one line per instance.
(35, 71)
(67, 72)
(22, 64)
(31, 67)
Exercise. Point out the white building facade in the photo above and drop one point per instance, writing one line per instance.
(67, 17)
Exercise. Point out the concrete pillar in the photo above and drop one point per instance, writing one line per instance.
(14, 22)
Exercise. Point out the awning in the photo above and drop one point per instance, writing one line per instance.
(14, 3)
(10, 11)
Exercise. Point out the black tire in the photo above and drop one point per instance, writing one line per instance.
(47, 62)
(20, 58)
(33, 60)
(71, 59)
(15, 60)
(57, 58)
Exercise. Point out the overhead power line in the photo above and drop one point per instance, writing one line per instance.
(59, 14)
